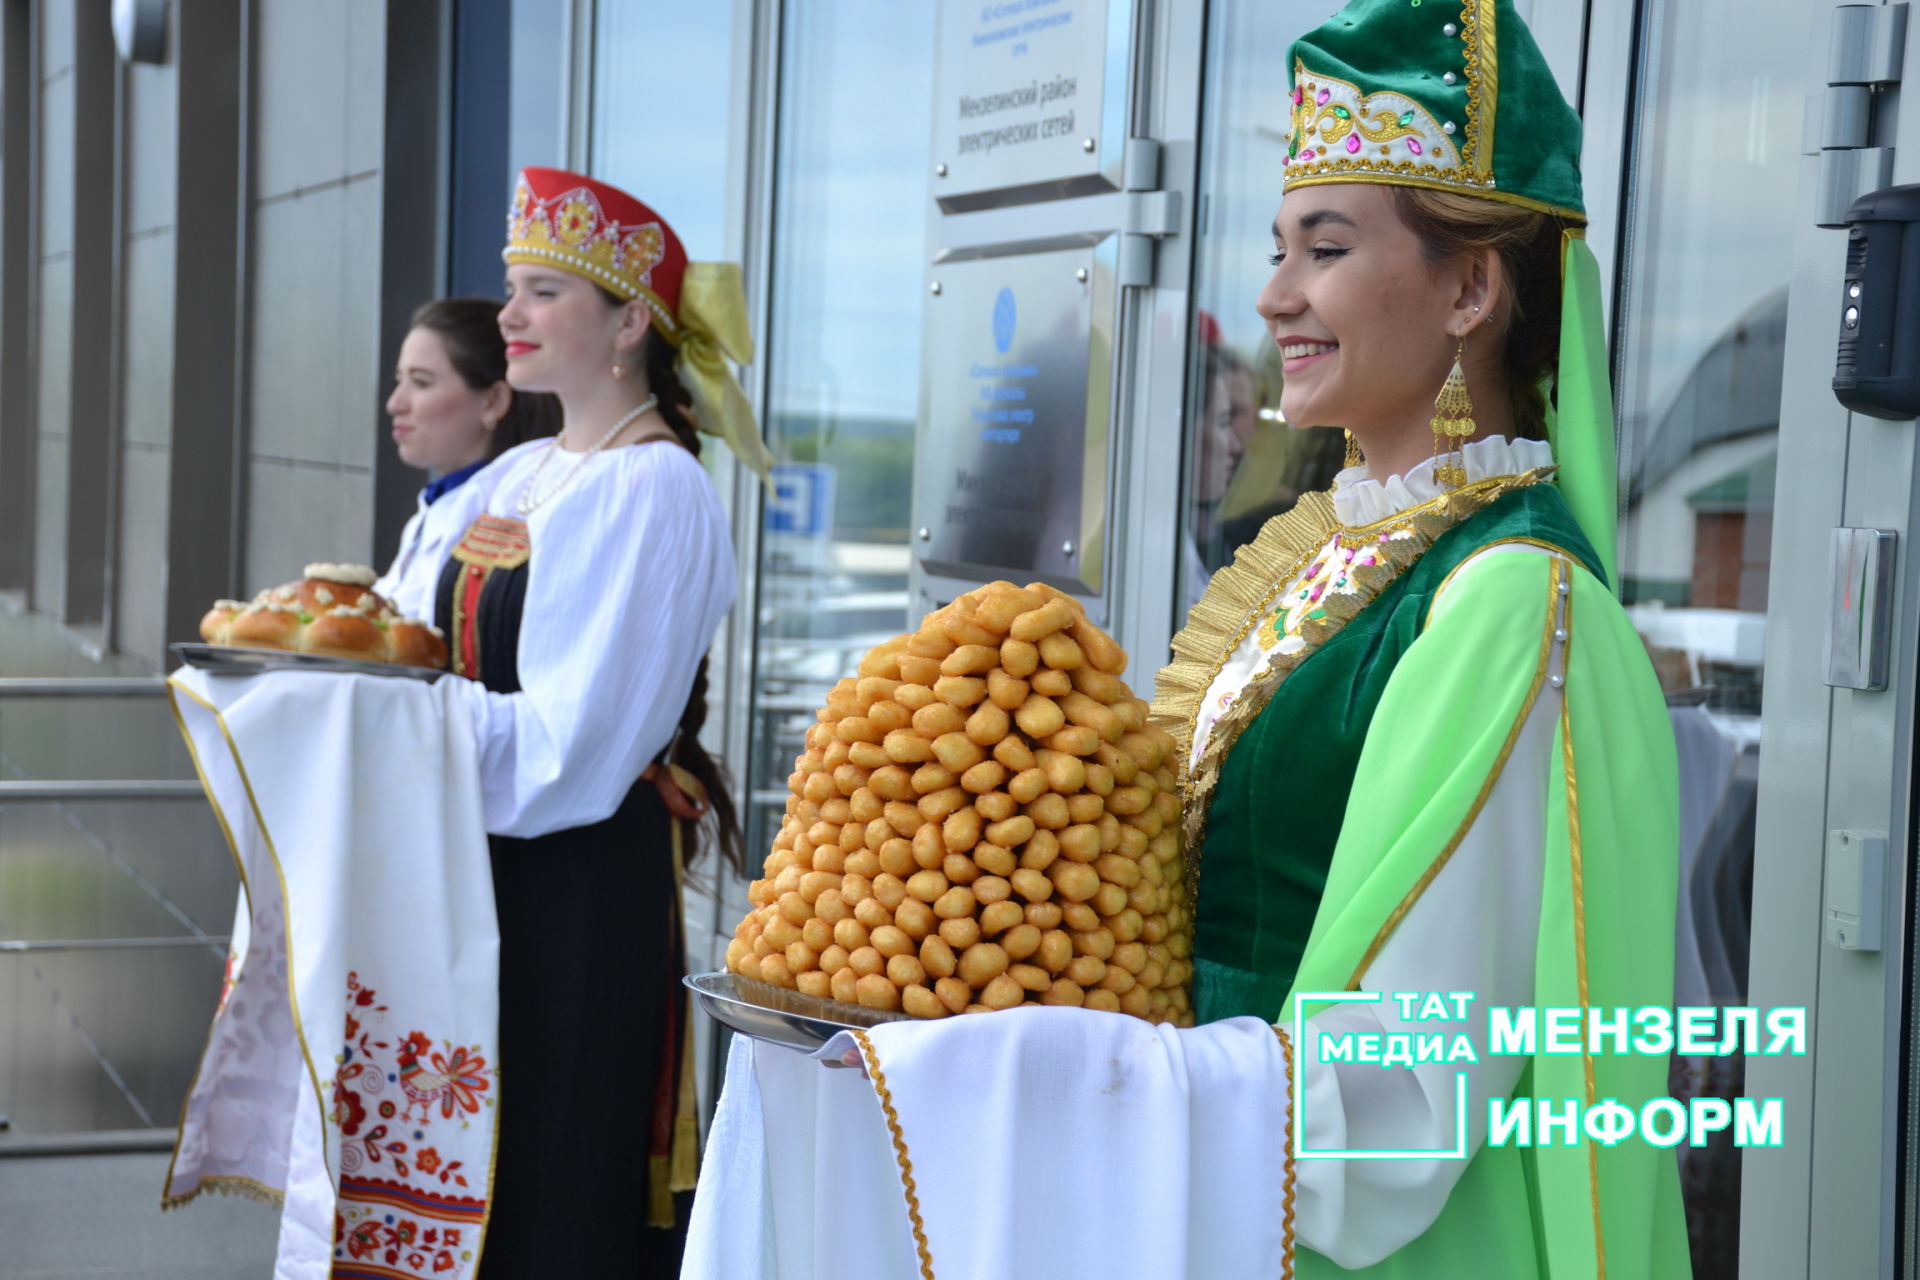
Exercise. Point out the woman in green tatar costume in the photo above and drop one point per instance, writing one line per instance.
(1425, 749)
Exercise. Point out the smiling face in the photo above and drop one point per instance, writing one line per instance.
(440, 424)
(562, 335)
(1364, 320)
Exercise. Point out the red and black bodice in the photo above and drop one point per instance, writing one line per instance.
(482, 590)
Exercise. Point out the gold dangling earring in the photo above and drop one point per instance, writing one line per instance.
(1452, 423)
(1354, 458)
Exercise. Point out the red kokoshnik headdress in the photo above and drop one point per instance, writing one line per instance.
(573, 223)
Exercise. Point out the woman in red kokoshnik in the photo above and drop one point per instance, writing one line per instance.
(584, 596)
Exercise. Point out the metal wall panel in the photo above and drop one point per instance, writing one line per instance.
(19, 268)
(150, 124)
(210, 250)
(54, 294)
(94, 214)
(304, 385)
(346, 107)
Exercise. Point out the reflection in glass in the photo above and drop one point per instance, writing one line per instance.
(662, 112)
(843, 363)
(1245, 464)
(1700, 339)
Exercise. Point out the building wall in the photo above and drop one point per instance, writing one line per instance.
(232, 360)
(147, 340)
(202, 271)
(54, 293)
(313, 360)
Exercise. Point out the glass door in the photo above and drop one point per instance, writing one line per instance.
(843, 360)
(1699, 339)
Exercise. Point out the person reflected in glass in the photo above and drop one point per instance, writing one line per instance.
(1218, 448)
(452, 412)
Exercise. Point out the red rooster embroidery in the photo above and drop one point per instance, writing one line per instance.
(456, 1078)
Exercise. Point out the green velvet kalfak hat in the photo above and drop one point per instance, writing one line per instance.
(1454, 96)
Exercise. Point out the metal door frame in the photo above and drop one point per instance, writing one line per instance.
(1825, 1202)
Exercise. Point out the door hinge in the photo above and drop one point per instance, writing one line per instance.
(1864, 59)
(1149, 213)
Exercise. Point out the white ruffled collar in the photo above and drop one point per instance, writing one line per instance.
(1359, 499)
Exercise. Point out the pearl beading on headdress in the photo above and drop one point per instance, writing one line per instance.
(619, 284)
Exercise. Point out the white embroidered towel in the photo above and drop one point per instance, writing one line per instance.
(351, 1070)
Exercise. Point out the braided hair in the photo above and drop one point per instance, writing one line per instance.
(722, 827)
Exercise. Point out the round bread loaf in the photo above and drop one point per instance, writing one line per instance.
(332, 611)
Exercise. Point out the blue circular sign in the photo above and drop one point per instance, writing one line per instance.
(1003, 318)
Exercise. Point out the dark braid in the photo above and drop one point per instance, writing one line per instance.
(691, 756)
(657, 357)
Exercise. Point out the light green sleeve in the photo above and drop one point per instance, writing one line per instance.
(1443, 731)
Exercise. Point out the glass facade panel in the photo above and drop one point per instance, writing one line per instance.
(1245, 464)
(849, 257)
(662, 104)
(1699, 341)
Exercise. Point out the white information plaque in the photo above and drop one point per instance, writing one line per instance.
(1022, 108)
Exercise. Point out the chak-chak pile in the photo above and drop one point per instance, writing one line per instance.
(982, 819)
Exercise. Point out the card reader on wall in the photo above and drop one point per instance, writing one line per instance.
(1878, 368)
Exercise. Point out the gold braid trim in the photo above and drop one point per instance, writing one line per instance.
(244, 1188)
(1579, 886)
(899, 1151)
(1477, 23)
(1240, 594)
(1286, 1195)
(1234, 600)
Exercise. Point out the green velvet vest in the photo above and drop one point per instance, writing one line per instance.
(1276, 810)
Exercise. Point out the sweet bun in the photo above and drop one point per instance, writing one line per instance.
(216, 626)
(416, 644)
(332, 611)
(345, 632)
(268, 625)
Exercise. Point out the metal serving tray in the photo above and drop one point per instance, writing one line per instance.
(239, 660)
(766, 1012)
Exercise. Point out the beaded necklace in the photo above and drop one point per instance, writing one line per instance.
(526, 504)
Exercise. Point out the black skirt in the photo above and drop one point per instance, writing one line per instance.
(589, 968)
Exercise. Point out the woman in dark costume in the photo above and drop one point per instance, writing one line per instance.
(583, 596)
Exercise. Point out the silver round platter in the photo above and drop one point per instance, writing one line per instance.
(777, 1015)
(239, 660)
